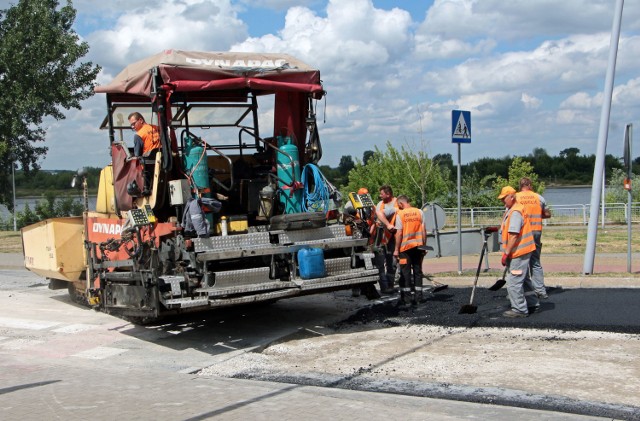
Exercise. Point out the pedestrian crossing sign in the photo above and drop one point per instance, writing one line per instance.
(460, 126)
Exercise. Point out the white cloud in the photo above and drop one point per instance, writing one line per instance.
(530, 102)
(516, 19)
(531, 72)
(208, 25)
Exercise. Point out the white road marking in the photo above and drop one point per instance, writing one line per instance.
(74, 328)
(99, 353)
(26, 323)
(19, 343)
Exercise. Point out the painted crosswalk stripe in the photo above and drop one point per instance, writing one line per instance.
(14, 344)
(74, 328)
(99, 353)
(13, 323)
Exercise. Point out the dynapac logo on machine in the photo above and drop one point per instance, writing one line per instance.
(268, 64)
(106, 228)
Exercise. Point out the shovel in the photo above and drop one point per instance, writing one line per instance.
(470, 308)
(500, 282)
(437, 286)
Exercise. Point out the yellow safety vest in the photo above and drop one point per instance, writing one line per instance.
(412, 228)
(525, 243)
(532, 207)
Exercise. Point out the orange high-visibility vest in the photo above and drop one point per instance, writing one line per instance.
(386, 234)
(532, 207)
(150, 137)
(412, 228)
(525, 243)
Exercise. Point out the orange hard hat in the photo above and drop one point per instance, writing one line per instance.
(363, 190)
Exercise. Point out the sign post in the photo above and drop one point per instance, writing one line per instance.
(460, 133)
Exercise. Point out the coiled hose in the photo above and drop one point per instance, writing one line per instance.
(315, 194)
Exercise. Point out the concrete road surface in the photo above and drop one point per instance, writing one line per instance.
(329, 356)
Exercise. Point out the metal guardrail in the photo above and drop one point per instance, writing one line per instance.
(614, 214)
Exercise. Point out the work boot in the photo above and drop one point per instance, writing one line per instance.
(388, 291)
(404, 299)
(512, 314)
(420, 297)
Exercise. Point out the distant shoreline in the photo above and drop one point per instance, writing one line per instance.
(564, 186)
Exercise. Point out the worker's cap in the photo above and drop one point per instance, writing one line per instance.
(506, 191)
(363, 190)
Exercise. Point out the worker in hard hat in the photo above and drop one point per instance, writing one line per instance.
(517, 244)
(536, 207)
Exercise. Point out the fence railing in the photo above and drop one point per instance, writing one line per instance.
(614, 214)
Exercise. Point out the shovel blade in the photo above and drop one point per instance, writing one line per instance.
(468, 309)
(499, 284)
(440, 288)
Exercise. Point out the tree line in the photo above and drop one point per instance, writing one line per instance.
(569, 168)
(434, 179)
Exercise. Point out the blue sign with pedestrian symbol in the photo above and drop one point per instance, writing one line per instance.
(460, 126)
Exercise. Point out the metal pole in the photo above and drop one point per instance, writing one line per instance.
(589, 254)
(629, 199)
(13, 177)
(629, 234)
(459, 212)
(602, 198)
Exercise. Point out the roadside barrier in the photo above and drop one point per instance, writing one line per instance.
(614, 214)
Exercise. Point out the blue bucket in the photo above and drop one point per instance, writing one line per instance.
(311, 263)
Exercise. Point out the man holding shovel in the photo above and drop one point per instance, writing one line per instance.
(516, 241)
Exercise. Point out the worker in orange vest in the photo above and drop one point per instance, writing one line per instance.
(147, 137)
(516, 242)
(386, 211)
(536, 207)
(410, 236)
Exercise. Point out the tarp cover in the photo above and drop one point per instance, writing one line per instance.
(213, 71)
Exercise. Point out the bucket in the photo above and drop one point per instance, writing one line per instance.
(311, 263)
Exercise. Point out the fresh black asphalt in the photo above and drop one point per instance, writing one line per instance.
(597, 309)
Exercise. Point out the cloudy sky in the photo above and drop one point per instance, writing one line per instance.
(531, 72)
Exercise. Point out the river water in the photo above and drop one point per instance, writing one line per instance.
(568, 196)
(553, 196)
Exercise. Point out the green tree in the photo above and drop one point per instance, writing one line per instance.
(408, 171)
(519, 168)
(366, 156)
(476, 191)
(40, 74)
(615, 190)
(569, 152)
(26, 217)
(346, 164)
